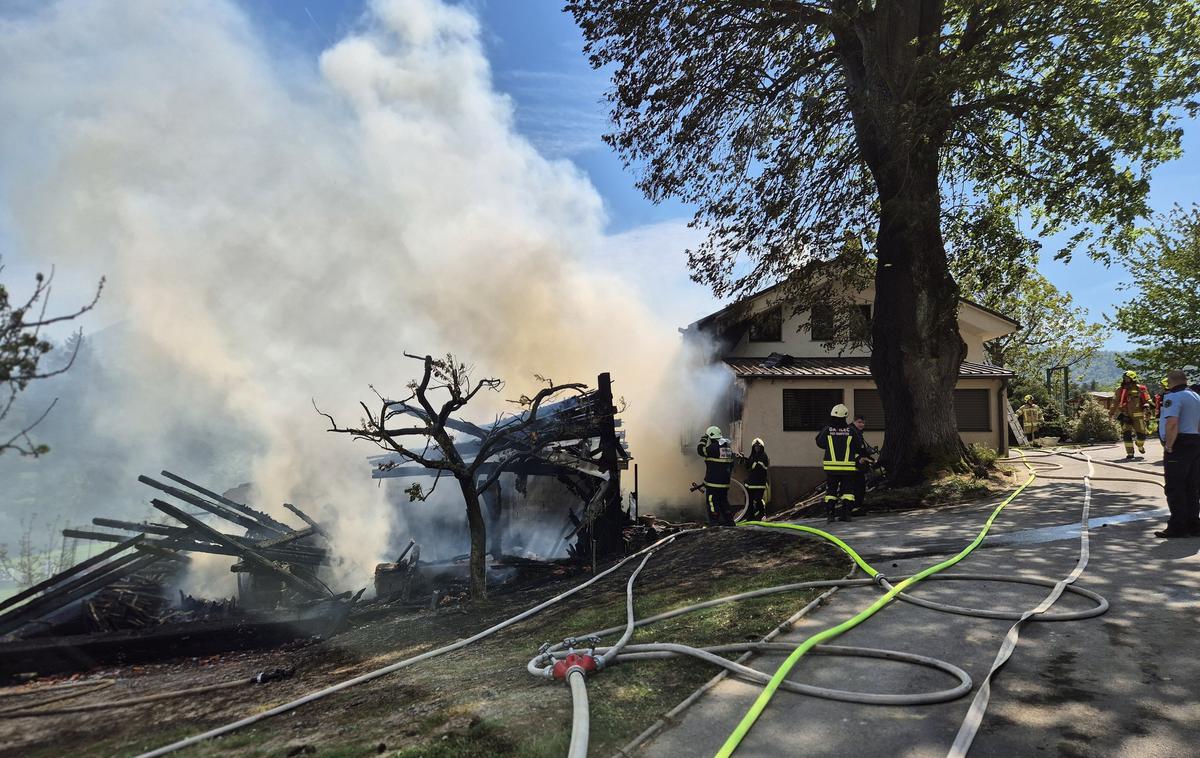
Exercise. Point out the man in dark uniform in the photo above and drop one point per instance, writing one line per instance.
(863, 461)
(1179, 430)
(717, 453)
(840, 463)
(758, 467)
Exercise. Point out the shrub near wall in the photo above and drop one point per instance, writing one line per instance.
(1093, 424)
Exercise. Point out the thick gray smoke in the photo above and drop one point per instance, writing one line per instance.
(274, 233)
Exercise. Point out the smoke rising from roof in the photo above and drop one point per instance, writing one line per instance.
(274, 232)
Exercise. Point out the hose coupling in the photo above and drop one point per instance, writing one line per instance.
(880, 579)
(585, 664)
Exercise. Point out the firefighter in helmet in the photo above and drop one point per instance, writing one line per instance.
(758, 466)
(1132, 407)
(842, 451)
(1031, 417)
(717, 453)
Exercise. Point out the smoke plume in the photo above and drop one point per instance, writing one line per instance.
(274, 232)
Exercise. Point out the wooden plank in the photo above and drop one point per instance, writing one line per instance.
(125, 544)
(304, 517)
(52, 601)
(248, 555)
(257, 515)
(313, 557)
(130, 526)
(299, 534)
(217, 510)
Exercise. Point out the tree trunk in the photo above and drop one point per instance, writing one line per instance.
(917, 347)
(478, 561)
(900, 120)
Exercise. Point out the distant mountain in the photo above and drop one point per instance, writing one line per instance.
(1101, 369)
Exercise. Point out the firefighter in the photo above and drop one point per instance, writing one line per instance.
(1132, 406)
(758, 469)
(1158, 399)
(865, 461)
(717, 453)
(1031, 417)
(842, 451)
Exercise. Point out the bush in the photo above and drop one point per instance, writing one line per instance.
(986, 456)
(1093, 424)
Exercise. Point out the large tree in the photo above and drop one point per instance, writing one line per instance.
(1163, 317)
(791, 124)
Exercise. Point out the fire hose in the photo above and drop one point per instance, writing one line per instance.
(575, 679)
(542, 664)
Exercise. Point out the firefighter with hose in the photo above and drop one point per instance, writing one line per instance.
(1132, 407)
(717, 453)
(842, 449)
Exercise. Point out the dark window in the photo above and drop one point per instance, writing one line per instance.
(824, 327)
(973, 410)
(808, 410)
(821, 324)
(868, 404)
(767, 326)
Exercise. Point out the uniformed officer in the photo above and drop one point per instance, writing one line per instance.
(757, 478)
(1179, 430)
(1031, 417)
(717, 453)
(842, 451)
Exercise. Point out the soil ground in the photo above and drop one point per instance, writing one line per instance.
(479, 701)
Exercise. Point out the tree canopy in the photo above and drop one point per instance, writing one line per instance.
(792, 125)
(756, 111)
(1163, 315)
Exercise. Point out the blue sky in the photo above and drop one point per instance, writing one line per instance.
(536, 54)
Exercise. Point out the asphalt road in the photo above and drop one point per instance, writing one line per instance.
(1123, 684)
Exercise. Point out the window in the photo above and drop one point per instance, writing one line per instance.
(868, 404)
(824, 327)
(767, 326)
(808, 410)
(821, 324)
(973, 410)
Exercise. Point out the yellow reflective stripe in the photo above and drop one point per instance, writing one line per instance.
(718, 460)
(839, 467)
(849, 497)
(756, 486)
(718, 486)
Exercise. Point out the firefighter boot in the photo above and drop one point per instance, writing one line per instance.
(846, 507)
(830, 509)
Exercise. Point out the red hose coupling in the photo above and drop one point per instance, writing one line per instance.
(563, 667)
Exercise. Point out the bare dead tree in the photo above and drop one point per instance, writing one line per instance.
(420, 427)
(22, 348)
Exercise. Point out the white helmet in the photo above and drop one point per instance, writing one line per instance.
(713, 433)
(840, 411)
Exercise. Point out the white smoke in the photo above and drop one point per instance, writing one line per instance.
(274, 232)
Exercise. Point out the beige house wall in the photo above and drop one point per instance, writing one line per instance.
(762, 416)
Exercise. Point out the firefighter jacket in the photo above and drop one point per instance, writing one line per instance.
(718, 462)
(1030, 414)
(758, 465)
(842, 448)
(1133, 403)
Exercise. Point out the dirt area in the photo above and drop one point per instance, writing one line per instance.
(954, 489)
(476, 702)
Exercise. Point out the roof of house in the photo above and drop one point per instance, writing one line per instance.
(733, 310)
(779, 366)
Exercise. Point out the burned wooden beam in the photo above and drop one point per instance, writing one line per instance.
(245, 510)
(283, 539)
(145, 528)
(305, 518)
(309, 556)
(217, 510)
(248, 554)
(66, 574)
(73, 590)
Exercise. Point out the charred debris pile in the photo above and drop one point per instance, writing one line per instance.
(573, 448)
(122, 604)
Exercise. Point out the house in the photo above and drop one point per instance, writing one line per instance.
(784, 381)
